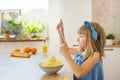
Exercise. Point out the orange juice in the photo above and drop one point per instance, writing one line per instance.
(44, 48)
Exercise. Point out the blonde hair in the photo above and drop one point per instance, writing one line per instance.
(93, 45)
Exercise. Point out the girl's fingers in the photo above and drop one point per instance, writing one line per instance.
(60, 20)
(60, 31)
(62, 28)
(62, 36)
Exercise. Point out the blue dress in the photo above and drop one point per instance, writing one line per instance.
(95, 74)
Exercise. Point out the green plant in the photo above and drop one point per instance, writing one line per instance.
(14, 25)
(33, 27)
(5, 30)
(14, 21)
(110, 36)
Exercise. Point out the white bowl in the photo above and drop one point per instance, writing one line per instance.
(50, 69)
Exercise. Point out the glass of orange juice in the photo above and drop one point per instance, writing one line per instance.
(44, 48)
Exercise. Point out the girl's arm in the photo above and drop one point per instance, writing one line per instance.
(79, 71)
(86, 66)
(60, 30)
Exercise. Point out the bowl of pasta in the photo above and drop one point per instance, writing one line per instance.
(51, 66)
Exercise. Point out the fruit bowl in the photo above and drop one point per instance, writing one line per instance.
(52, 66)
(50, 69)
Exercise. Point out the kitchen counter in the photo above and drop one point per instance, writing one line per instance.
(12, 68)
(113, 46)
(107, 46)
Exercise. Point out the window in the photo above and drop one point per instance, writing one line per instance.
(24, 4)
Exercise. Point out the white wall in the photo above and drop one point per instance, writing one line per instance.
(106, 12)
(73, 13)
(54, 15)
(23, 4)
(36, 15)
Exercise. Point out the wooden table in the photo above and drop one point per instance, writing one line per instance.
(12, 68)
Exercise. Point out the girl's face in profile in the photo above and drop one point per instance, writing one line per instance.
(81, 41)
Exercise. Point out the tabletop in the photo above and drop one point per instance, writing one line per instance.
(13, 68)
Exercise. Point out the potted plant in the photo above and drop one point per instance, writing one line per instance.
(14, 23)
(109, 39)
(6, 33)
(34, 28)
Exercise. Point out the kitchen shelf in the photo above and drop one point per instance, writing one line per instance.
(23, 39)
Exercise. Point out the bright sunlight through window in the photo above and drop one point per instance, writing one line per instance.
(23, 4)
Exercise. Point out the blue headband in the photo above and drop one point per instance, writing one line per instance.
(94, 33)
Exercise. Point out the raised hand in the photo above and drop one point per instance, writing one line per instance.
(60, 29)
(64, 47)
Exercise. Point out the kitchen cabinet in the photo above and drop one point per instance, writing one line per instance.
(112, 64)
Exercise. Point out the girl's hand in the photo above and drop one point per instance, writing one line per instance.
(64, 49)
(60, 29)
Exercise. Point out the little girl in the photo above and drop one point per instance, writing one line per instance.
(87, 63)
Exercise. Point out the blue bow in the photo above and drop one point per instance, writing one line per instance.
(94, 33)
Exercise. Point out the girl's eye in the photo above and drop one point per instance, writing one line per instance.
(80, 35)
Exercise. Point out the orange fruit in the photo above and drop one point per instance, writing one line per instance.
(17, 50)
(27, 49)
(33, 50)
